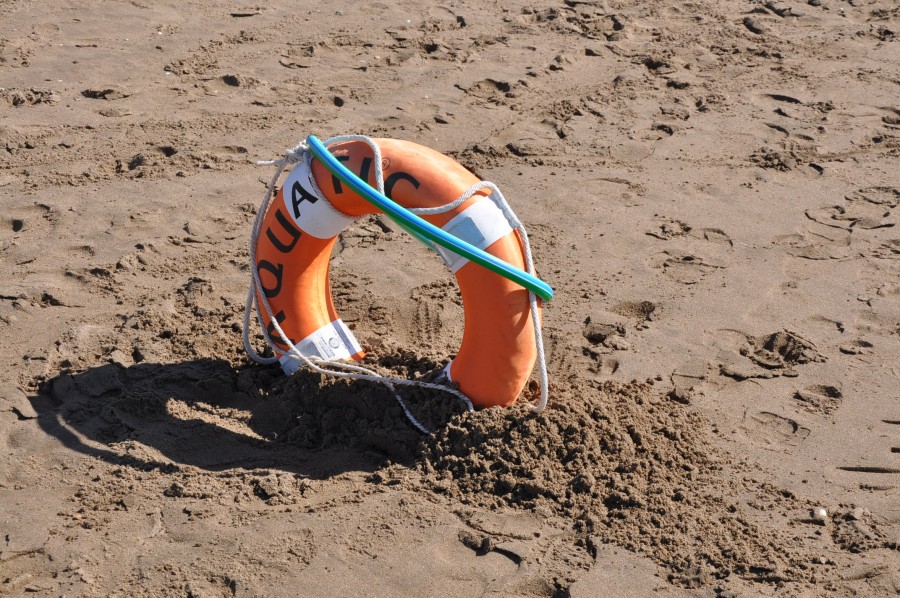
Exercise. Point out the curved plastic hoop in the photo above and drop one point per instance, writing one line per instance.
(424, 230)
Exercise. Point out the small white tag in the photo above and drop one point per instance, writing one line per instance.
(482, 224)
(333, 341)
(311, 211)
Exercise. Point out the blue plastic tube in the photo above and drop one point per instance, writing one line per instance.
(422, 229)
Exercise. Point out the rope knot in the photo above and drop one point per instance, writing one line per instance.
(297, 153)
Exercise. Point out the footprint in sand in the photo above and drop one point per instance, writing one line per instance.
(601, 362)
(684, 268)
(642, 311)
(882, 196)
(781, 350)
(489, 91)
(856, 347)
(364, 233)
(790, 107)
(713, 235)
(27, 97)
(531, 139)
(17, 52)
(360, 309)
(302, 56)
(606, 366)
(853, 216)
(656, 132)
(820, 398)
(889, 249)
(826, 244)
(769, 356)
(687, 380)
(438, 306)
(611, 336)
(22, 223)
(670, 228)
(773, 431)
(866, 208)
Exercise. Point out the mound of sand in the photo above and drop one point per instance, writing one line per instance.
(627, 465)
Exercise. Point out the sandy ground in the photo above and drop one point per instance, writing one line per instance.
(711, 188)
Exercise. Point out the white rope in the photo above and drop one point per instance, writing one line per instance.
(500, 201)
(291, 156)
(301, 152)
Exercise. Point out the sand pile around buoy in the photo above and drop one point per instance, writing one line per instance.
(328, 411)
(629, 466)
(624, 463)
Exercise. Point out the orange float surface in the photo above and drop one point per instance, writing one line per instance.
(498, 349)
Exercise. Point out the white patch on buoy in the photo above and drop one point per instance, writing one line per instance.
(312, 212)
(482, 224)
(332, 341)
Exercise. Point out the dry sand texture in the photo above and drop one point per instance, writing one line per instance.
(711, 187)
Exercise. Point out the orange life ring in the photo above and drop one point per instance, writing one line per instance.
(312, 207)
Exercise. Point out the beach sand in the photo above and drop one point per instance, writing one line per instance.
(710, 187)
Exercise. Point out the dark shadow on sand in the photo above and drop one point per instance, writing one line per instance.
(209, 414)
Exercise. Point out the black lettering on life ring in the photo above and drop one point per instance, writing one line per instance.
(363, 173)
(364, 169)
(277, 271)
(298, 194)
(336, 182)
(292, 230)
(280, 317)
(394, 178)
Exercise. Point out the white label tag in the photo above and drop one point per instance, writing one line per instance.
(313, 213)
(333, 341)
(482, 224)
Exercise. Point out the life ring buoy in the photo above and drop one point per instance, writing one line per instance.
(312, 208)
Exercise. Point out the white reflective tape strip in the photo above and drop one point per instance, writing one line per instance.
(332, 341)
(446, 371)
(482, 224)
(311, 211)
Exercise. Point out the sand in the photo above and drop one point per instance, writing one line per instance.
(710, 187)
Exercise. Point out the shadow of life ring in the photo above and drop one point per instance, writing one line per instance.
(294, 246)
